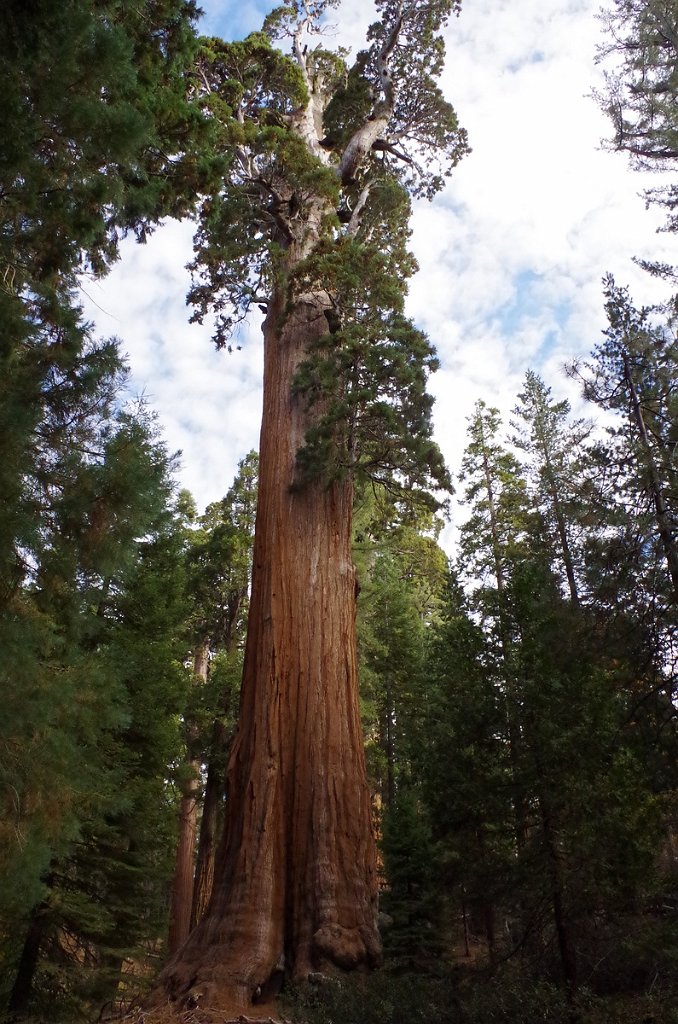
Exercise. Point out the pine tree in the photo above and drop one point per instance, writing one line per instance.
(640, 90)
(593, 826)
(402, 572)
(554, 451)
(100, 136)
(466, 772)
(100, 139)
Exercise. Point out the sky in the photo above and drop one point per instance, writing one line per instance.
(511, 253)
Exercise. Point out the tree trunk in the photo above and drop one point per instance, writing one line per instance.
(566, 948)
(210, 823)
(511, 701)
(182, 885)
(23, 983)
(389, 746)
(296, 884)
(662, 518)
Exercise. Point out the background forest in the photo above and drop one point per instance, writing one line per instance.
(518, 700)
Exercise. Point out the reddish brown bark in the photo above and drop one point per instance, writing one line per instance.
(210, 823)
(297, 883)
(182, 884)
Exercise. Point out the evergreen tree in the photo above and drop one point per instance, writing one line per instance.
(99, 135)
(412, 941)
(91, 700)
(555, 454)
(218, 566)
(495, 494)
(593, 823)
(632, 375)
(99, 138)
(467, 775)
(641, 86)
(490, 539)
(391, 659)
(229, 527)
(402, 572)
(311, 222)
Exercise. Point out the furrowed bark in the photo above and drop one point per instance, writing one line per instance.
(296, 878)
(298, 867)
(182, 885)
(209, 823)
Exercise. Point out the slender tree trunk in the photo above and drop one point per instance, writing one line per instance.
(211, 819)
(297, 882)
(512, 703)
(664, 525)
(566, 552)
(554, 494)
(210, 822)
(28, 961)
(182, 885)
(554, 862)
(389, 743)
(565, 945)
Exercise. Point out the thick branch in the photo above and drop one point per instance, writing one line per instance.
(354, 222)
(386, 147)
(363, 139)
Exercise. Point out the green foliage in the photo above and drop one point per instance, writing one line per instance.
(557, 463)
(391, 642)
(94, 112)
(631, 374)
(640, 89)
(402, 572)
(351, 103)
(424, 125)
(289, 220)
(385, 997)
(375, 419)
(413, 939)
(496, 497)
(219, 556)
(93, 677)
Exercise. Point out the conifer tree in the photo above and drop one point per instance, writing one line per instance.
(632, 374)
(491, 538)
(466, 770)
(311, 223)
(218, 569)
(402, 572)
(100, 139)
(640, 49)
(225, 569)
(553, 447)
(91, 698)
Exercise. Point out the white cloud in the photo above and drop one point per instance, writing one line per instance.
(208, 402)
(511, 254)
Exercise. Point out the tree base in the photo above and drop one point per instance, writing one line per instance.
(172, 1013)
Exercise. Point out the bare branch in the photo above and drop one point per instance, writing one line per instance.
(386, 147)
(363, 139)
(354, 223)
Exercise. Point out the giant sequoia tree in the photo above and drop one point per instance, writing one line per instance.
(311, 224)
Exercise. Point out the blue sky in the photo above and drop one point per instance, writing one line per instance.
(511, 253)
(232, 20)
